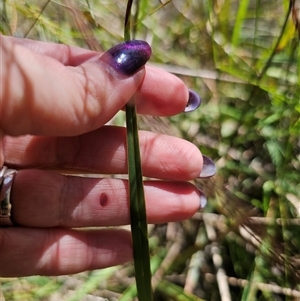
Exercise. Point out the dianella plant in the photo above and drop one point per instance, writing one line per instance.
(138, 217)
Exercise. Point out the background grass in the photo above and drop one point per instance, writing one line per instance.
(242, 56)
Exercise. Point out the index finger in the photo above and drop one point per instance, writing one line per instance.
(41, 96)
(68, 93)
(160, 93)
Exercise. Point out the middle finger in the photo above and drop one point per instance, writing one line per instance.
(104, 151)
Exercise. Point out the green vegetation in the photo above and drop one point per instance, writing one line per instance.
(242, 56)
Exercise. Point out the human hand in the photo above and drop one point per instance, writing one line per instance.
(55, 100)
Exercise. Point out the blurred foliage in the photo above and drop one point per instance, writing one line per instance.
(242, 56)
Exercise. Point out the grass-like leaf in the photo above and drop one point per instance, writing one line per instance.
(138, 216)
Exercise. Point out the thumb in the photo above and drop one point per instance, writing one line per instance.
(50, 93)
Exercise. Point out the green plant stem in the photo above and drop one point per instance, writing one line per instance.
(138, 209)
(138, 217)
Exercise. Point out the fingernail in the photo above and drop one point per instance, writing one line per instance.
(128, 57)
(203, 200)
(193, 102)
(208, 169)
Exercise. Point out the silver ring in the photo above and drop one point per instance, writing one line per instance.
(6, 180)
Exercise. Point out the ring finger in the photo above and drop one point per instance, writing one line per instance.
(48, 199)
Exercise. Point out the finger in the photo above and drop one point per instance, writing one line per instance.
(29, 251)
(160, 93)
(47, 199)
(40, 95)
(104, 151)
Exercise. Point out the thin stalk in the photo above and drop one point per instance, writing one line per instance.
(138, 217)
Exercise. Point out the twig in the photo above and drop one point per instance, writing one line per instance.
(207, 74)
(259, 285)
(219, 220)
(193, 274)
(173, 252)
(221, 275)
(218, 262)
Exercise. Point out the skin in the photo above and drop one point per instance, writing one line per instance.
(55, 100)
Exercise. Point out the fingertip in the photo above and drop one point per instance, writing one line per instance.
(171, 201)
(128, 57)
(161, 93)
(202, 199)
(194, 102)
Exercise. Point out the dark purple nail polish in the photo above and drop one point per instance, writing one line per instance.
(208, 169)
(193, 102)
(203, 200)
(128, 57)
